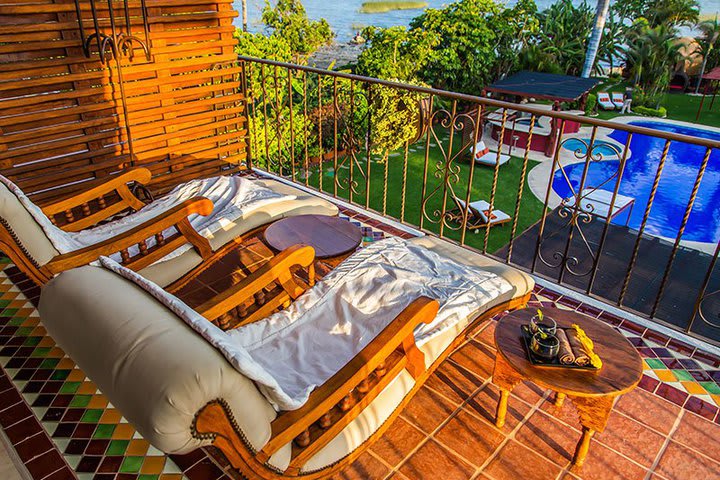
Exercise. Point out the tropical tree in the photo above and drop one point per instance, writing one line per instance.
(563, 33)
(396, 53)
(532, 57)
(464, 59)
(672, 13)
(612, 42)
(652, 53)
(289, 20)
(244, 15)
(594, 43)
(709, 45)
(290, 37)
(515, 29)
(399, 54)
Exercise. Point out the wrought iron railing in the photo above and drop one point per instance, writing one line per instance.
(565, 207)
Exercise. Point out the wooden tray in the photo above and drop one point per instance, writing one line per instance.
(544, 362)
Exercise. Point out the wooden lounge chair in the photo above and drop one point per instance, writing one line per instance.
(478, 213)
(25, 241)
(484, 156)
(181, 393)
(605, 102)
(618, 99)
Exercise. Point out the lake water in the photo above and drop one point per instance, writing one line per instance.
(346, 20)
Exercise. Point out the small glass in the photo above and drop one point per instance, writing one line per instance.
(545, 346)
(546, 325)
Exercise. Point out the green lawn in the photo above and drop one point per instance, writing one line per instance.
(386, 182)
(390, 200)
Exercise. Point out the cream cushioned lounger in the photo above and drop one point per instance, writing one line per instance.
(168, 381)
(24, 238)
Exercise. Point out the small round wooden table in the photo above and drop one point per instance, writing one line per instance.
(592, 392)
(329, 236)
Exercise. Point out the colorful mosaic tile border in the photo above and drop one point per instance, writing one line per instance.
(58, 420)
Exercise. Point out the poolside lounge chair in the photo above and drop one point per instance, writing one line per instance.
(618, 99)
(605, 102)
(479, 214)
(598, 203)
(161, 230)
(484, 156)
(158, 367)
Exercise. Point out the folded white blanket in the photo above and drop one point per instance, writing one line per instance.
(232, 197)
(290, 353)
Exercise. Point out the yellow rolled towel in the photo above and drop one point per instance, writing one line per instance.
(587, 347)
(582, 359)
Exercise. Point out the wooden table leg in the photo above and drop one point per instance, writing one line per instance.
(594, 413)
(501, 411)
(505, 378)
(583, 446)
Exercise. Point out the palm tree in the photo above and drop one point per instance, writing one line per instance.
(674, 13)
(612, 42)
(651, 54)
(710, 32)
(244, 15)
(594, 43)
(563, 34)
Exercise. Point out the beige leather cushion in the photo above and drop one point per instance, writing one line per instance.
(156, 370)
(30, 234)
(164, 273)
(159, 373)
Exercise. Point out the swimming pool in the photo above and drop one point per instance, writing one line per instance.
(606, 149)
(676, 183)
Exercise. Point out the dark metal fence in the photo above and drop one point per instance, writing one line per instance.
(573, 203)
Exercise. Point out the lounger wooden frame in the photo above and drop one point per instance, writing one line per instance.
(343, 397)
(91, 207)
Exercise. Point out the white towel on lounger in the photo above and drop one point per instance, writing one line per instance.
(232, 198)
(291, 352)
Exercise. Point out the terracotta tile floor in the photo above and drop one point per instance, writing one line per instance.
(62, 427)
(447, 431)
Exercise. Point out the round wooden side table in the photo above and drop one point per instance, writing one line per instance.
(592, 392)
(329, 236)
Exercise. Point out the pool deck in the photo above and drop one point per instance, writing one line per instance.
(539, 176)
(684, 283)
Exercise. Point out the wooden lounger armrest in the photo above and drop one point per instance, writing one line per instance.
(275, 270)
(176, 216)
(343, 397)
(118, 184)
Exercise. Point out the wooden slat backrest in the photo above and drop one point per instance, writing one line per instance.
(62, 118)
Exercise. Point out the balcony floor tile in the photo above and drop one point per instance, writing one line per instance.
(666, 429)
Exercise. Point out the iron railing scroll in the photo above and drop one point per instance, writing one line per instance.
(321, 129)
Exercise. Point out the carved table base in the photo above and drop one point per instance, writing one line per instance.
(593, 411)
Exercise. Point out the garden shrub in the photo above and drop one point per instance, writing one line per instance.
(591, 104)
(650, 112)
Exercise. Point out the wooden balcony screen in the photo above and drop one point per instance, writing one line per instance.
(63, 121)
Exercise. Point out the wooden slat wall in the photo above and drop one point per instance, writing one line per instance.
(62, 121)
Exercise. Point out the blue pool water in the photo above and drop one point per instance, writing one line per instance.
(675, 186)
(599, 147)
